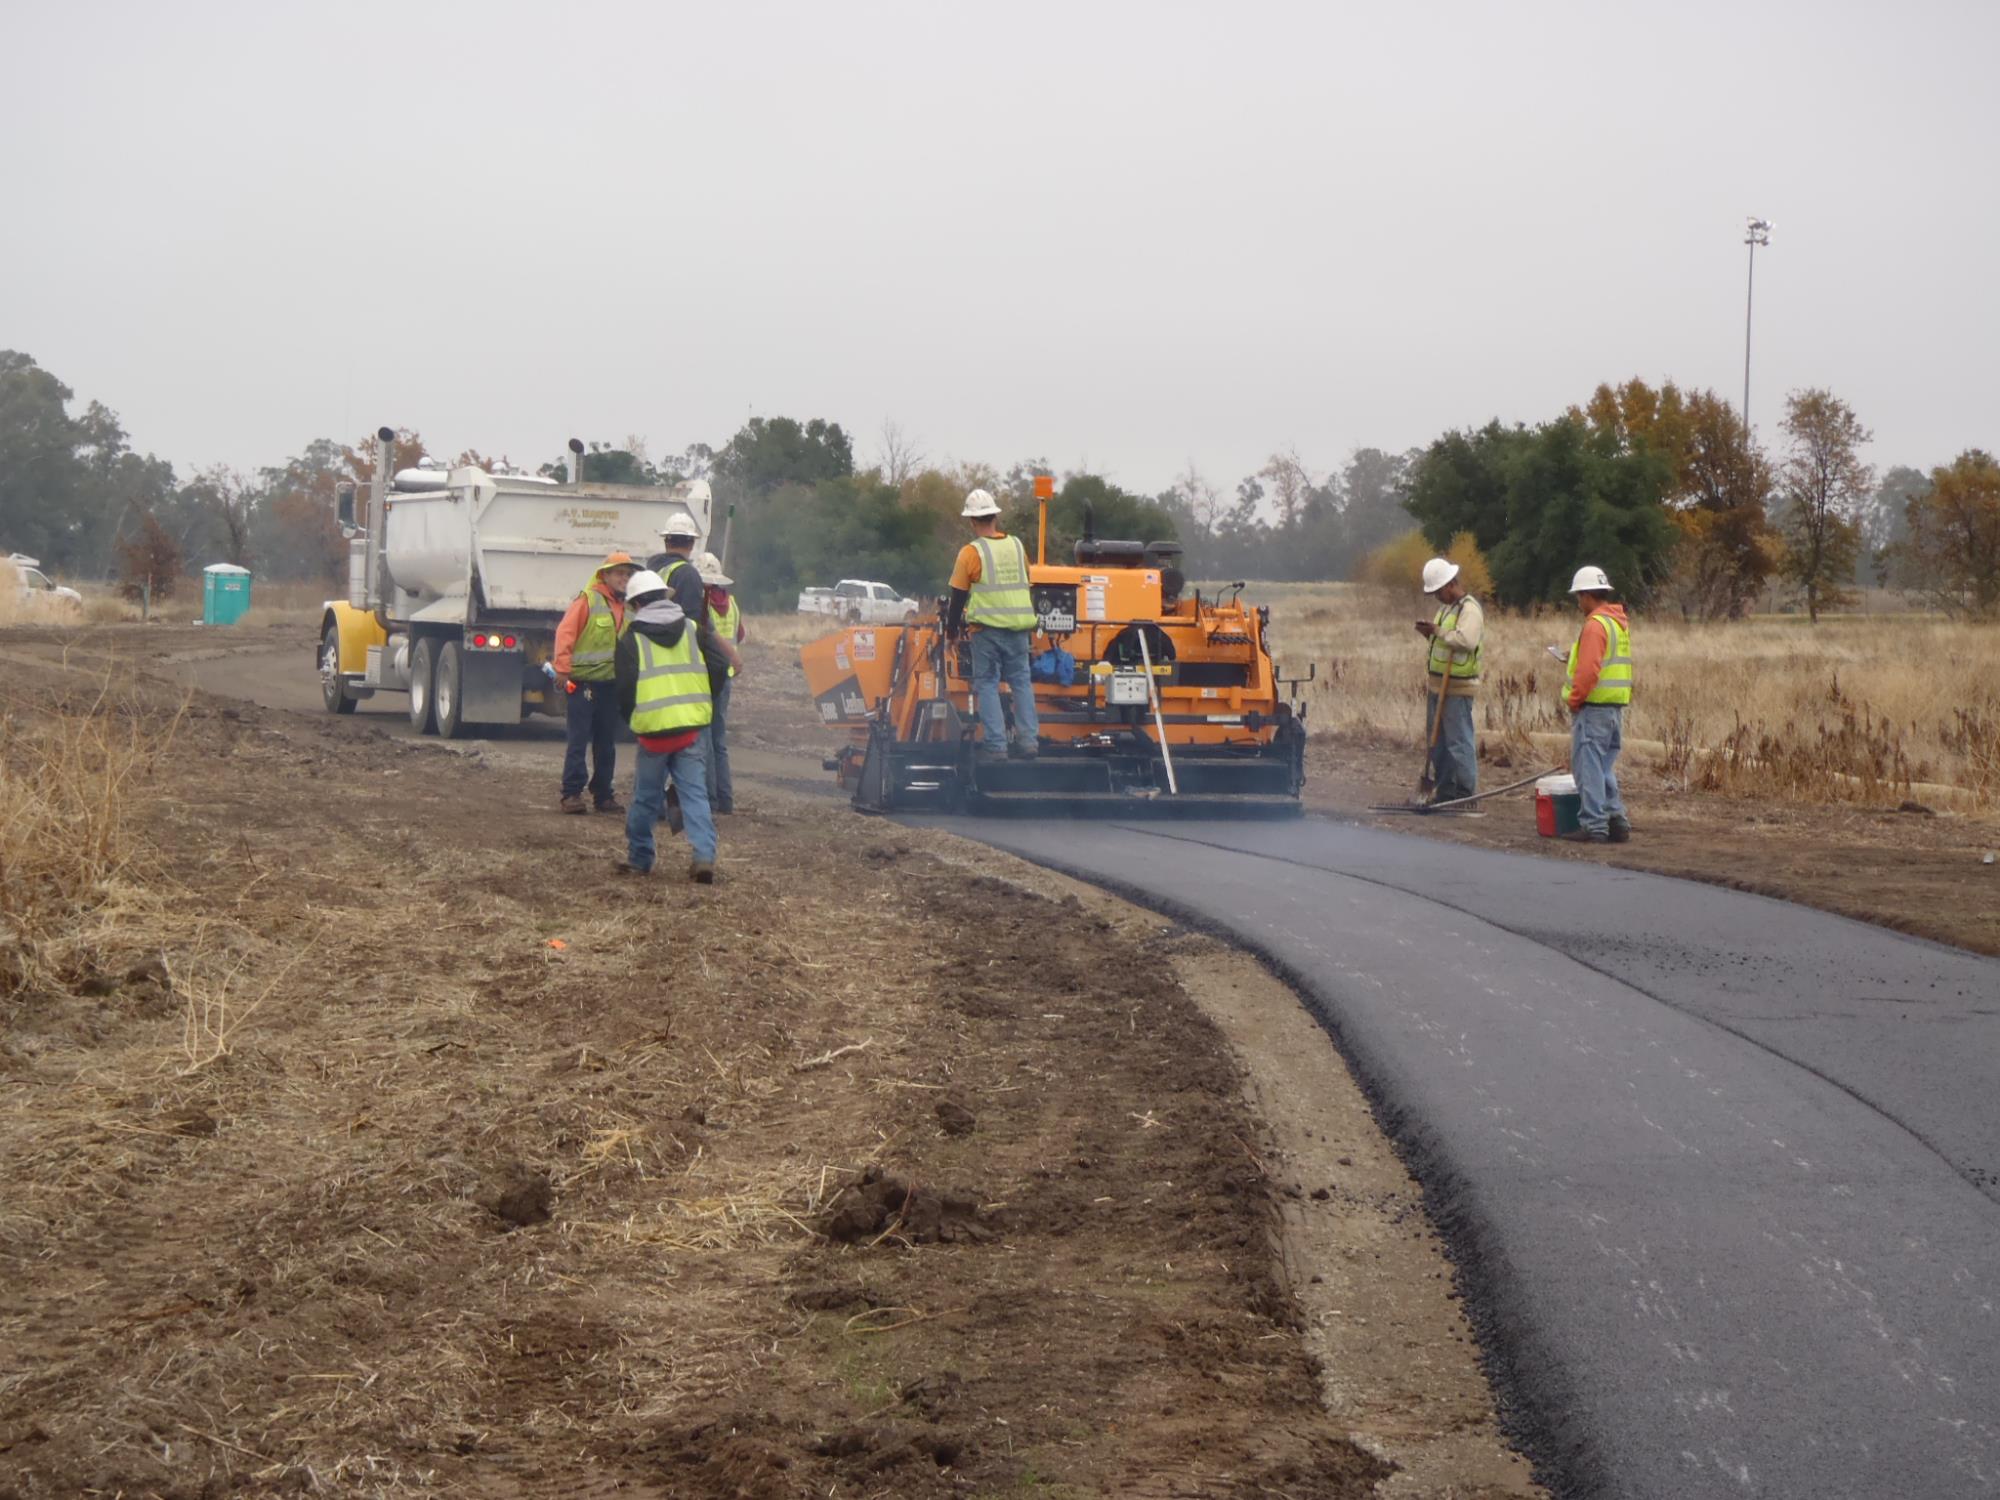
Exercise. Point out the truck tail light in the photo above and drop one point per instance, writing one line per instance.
(479, 640)
(509, 643)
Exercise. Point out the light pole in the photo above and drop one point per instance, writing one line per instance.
(1759, 233)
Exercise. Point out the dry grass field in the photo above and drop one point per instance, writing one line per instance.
(1857, 708)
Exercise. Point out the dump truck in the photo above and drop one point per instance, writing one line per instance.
(458, 578)
(1152, 697)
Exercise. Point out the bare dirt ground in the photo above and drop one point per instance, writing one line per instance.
(367, 1135)
(1918, 871)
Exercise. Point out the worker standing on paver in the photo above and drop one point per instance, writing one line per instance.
(581, 666)
(725, 619)
(989, 593)
(1451, 677)
(662, 689)
(1600, 686)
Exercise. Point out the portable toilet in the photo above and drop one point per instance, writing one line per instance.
(225, 593)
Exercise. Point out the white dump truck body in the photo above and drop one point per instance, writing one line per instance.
(489, 544)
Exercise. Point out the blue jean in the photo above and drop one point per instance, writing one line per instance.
(649, 803)
(1455, 758)
(1596, 735)
(715, 746)
(1002, 655)
(592, 722)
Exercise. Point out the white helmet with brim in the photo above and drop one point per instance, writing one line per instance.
(1590, 580)
(978, 505)
(680, 527)
(1437, 573)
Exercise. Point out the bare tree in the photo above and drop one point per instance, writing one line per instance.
(1199, 494)
(228, 497)
(902, 458)
(1824, 485)
(1291, 484)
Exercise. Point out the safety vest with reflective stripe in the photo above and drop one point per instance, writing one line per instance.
(1444, 659)
(672, 692)
(594, 656)
(1000, 600)
(1614, 673)
(725, 621)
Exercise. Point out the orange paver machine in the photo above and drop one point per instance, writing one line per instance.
(1152, 696)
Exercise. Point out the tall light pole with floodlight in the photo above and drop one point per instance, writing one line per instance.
(1759, 233)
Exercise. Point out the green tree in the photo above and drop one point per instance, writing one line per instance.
(1114, 515)
(1954, 533)
(600, 463)
(1823, 485)
(1573, 496)
(1885, 529)
(772, 451)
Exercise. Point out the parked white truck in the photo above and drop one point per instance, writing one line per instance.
(859, 601)
(457, 580)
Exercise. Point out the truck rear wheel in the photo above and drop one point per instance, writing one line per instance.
(448, 691)
(423, 656)
(331, 690)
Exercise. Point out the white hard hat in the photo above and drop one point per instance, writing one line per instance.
(645, 581)
(1437, 573)
(1590, 581)
(710, 568)
(681, 525)
(978, 504)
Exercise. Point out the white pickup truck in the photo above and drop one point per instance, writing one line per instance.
(857, 601)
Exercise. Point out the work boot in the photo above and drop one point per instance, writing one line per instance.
(611, 804)
(574, 805)
(986, 755)
(1022, 750)
(1620, 831)
(1584, 836)
(702, 872)
(626, 867)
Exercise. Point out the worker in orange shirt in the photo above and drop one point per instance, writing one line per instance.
(584, 664)
(1600, 688)
(989, 594)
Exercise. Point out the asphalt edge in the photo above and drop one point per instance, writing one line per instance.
(1537, 1404)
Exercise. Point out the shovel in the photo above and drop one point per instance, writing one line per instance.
(1427, 783)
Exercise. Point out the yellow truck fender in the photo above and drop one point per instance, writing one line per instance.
(358, 629)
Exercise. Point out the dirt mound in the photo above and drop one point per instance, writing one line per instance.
(882, 1207)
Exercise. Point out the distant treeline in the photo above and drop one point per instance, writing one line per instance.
(1663, 488)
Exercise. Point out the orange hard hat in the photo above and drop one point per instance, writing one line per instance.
(617, 560)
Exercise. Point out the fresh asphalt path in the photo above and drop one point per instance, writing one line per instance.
(1722, 1173)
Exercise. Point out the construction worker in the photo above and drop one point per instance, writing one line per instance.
(989, 594)
(725, 618)
(1451, 674)
(1600, 685)
(586, 641)
(675, 563)
(662, 689)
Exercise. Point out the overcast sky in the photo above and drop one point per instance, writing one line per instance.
(1120, 236)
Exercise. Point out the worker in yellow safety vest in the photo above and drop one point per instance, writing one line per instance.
(725, 622)
(1600, 687)
(1457, 636)
(662, 687)
(580, 668)
(989, 595)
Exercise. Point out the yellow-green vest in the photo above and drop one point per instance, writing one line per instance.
(673, 685)
(1444, 660)
(1614, 673)
(594, 657)
(1000, 600)
(725, 622)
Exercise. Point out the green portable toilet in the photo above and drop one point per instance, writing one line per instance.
(225, 593)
